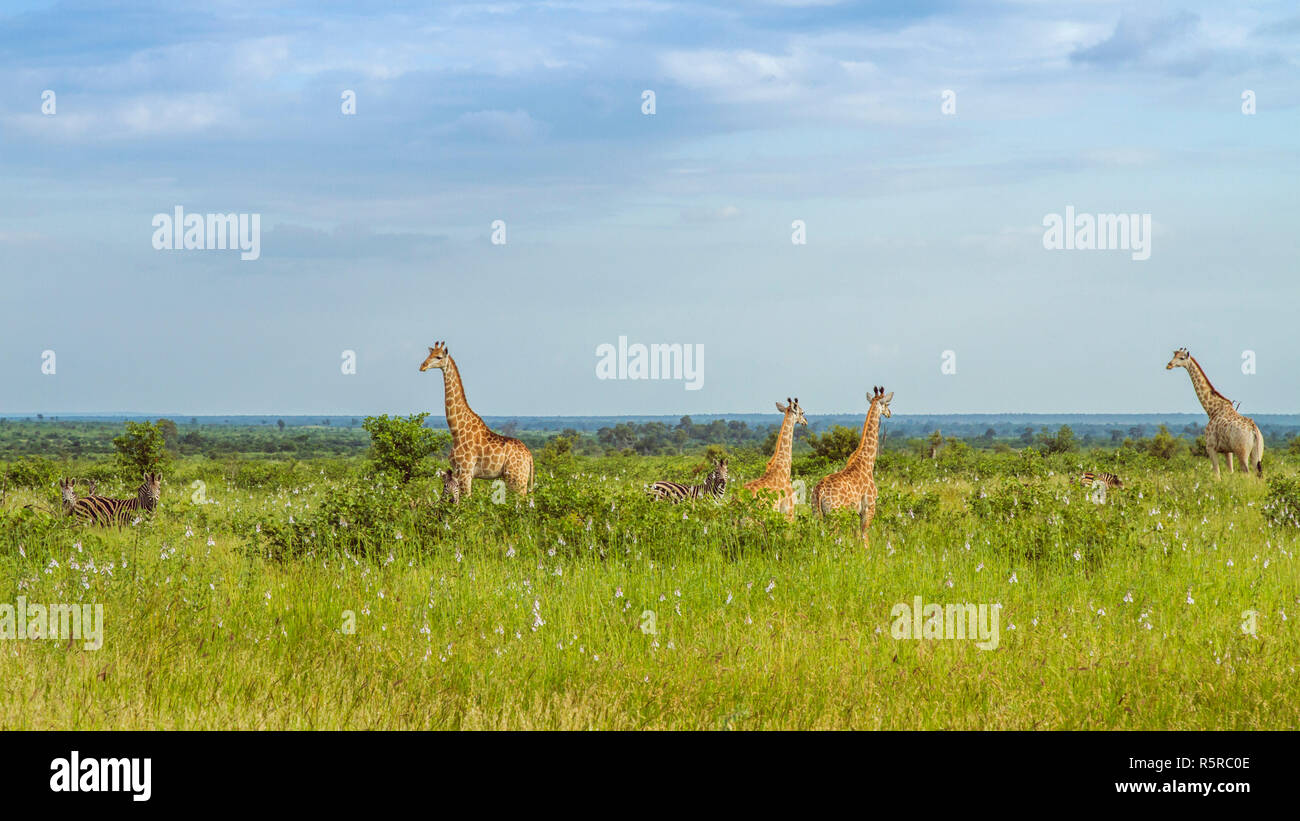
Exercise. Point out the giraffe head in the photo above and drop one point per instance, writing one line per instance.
(792, 406)
(151, 491)
(1181, 359)
(878, 396)
(438, 357)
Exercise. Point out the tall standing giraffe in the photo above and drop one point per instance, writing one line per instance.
(476, 451)
(777, 476)
(855, 485)
(1227, 431)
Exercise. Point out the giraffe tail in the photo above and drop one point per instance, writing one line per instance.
(1257, 452)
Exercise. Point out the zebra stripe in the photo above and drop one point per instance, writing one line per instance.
(1110, 479)
(450, 487)
(714, 486)
(104, 510)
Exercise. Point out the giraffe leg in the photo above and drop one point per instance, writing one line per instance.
(518, 475)
(866, 513)
(1214, 460)
(465, 478)
(1228, 457)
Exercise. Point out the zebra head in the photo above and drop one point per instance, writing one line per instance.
(1180, 359)
(438, 357)
(450, 487)
(150, 492)
(68, 489)
(716, 482)
(92, 487)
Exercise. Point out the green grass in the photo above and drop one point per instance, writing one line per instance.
(224, 615)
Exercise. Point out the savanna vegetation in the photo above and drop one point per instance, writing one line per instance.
(328, 586)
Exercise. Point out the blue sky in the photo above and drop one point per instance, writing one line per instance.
(924, 230)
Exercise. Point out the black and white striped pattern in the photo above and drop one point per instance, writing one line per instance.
(1109, 479)
(68, 490)
(450, 487)
(714, 485)
(103, 510)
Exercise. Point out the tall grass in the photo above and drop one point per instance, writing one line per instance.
(313, 596)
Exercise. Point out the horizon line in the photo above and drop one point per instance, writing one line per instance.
(341, 414)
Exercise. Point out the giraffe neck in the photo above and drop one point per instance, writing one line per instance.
(779, 465)
(1213, 401)
(461, 419)
(864, 458)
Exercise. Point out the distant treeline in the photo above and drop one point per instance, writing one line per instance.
(343, 437)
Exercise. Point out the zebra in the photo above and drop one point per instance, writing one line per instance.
(104, 510)
(1109, 479)
(68, 490)
(450, 487)
(714, 485)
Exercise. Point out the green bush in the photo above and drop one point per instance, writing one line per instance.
(142, 448)
(835, 445)
(31, 472)
(400, 446)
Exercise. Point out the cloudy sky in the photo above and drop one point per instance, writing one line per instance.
(924, 229)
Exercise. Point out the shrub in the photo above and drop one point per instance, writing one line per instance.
(31, 472)
(141, 449)
(835, 445)
(1164, 445)
(400, 446)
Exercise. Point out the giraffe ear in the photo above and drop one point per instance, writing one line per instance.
(782, 408)
(889, 396)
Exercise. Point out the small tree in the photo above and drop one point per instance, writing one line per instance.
(835, 445)
(400, 446)
(171, 434)
(1062, 442)
(1163, 445)
(935, 442)
(143, 448)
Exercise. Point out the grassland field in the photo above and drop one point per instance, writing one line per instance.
(313, 595)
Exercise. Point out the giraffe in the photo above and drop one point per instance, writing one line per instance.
(777, 476)
(476, 451)
(1227, 431)
(855, 485)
